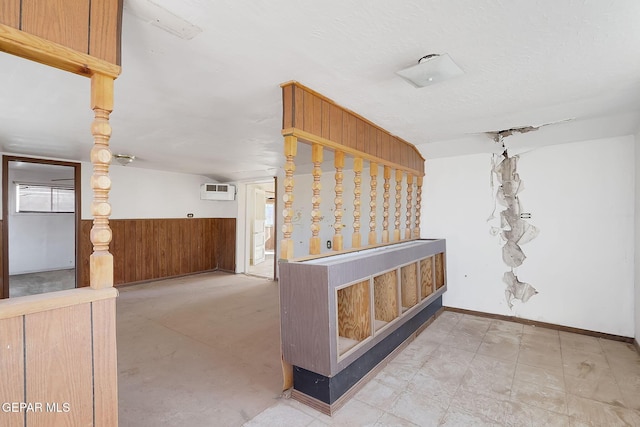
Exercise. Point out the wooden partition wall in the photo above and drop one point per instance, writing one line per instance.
(58, 363)
(314, 119)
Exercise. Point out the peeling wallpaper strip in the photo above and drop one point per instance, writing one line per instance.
(513, 230)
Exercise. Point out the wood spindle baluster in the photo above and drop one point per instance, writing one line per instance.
(416, 230)
(316, 158)
(396, 231)
(373, 172)
(290, 150)
(356, 238)
(101, 261)
(407, 230)
(385, 205)
(337, 226)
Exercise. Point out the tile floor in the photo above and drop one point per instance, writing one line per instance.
(471, 371)
(41, 282)
(265, 268)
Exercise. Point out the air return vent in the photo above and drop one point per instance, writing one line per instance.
(217, 192)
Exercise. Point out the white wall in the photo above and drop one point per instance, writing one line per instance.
(39, 241)
(581, 197)
(637, 237)
(302, 207)
(147, 193)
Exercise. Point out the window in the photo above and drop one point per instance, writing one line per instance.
(44, 198)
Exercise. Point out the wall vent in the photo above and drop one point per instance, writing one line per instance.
(217, 192)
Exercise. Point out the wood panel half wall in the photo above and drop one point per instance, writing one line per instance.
(150, 249)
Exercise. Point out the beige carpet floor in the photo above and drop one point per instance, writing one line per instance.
(201, 350)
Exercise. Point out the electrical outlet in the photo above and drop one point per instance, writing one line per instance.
(328, 244)
(189, 215)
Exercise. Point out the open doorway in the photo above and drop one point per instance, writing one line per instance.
(41, 204)
(261, 229)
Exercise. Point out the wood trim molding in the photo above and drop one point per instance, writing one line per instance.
(344, 251)
(30, 304)
(37, 49)
(310, 138)
(542, 324)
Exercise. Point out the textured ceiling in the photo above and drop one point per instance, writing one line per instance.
(211, 105)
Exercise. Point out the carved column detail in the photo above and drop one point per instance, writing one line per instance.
(396, 231)
(316, 158)
(385, 205)
(290, 150)
(337, 237)
(407, 230)
(356, 238)
(101, 261)
(373, 172)
(416, 231)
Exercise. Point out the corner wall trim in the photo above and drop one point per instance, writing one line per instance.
(538, 324)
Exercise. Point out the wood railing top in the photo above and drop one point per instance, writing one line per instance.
(29, 304)
(314, 118)
(37, 49)
(90, 27)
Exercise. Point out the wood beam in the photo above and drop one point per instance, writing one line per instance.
(37, 49)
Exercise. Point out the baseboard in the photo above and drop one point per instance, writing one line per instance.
(544, 325)
(159, 279)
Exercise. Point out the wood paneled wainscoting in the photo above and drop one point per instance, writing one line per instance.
(149, 249)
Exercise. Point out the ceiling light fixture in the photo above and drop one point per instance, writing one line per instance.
(124, 159)
(431, 69)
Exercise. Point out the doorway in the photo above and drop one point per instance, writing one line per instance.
(261, 229)
(40, 226)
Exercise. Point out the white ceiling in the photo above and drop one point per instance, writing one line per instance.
(211, 105)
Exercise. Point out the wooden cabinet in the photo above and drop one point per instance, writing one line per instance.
(342, 315)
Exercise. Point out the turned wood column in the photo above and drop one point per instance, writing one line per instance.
(356, 238)
(337, 226)
(416, 230)
(385, 205)
(396, 231)
(316, 158)
(101, 261)
(373, 173)
(290, 150)
(407, 230)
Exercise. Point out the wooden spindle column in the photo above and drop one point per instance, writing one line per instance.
(290, 150)
(101, 261)
(385, 205)
(407, 230)
(316, 158)
(337, 226)
(356, 238)
(416, 230)
(373, 173)
(396, 231)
